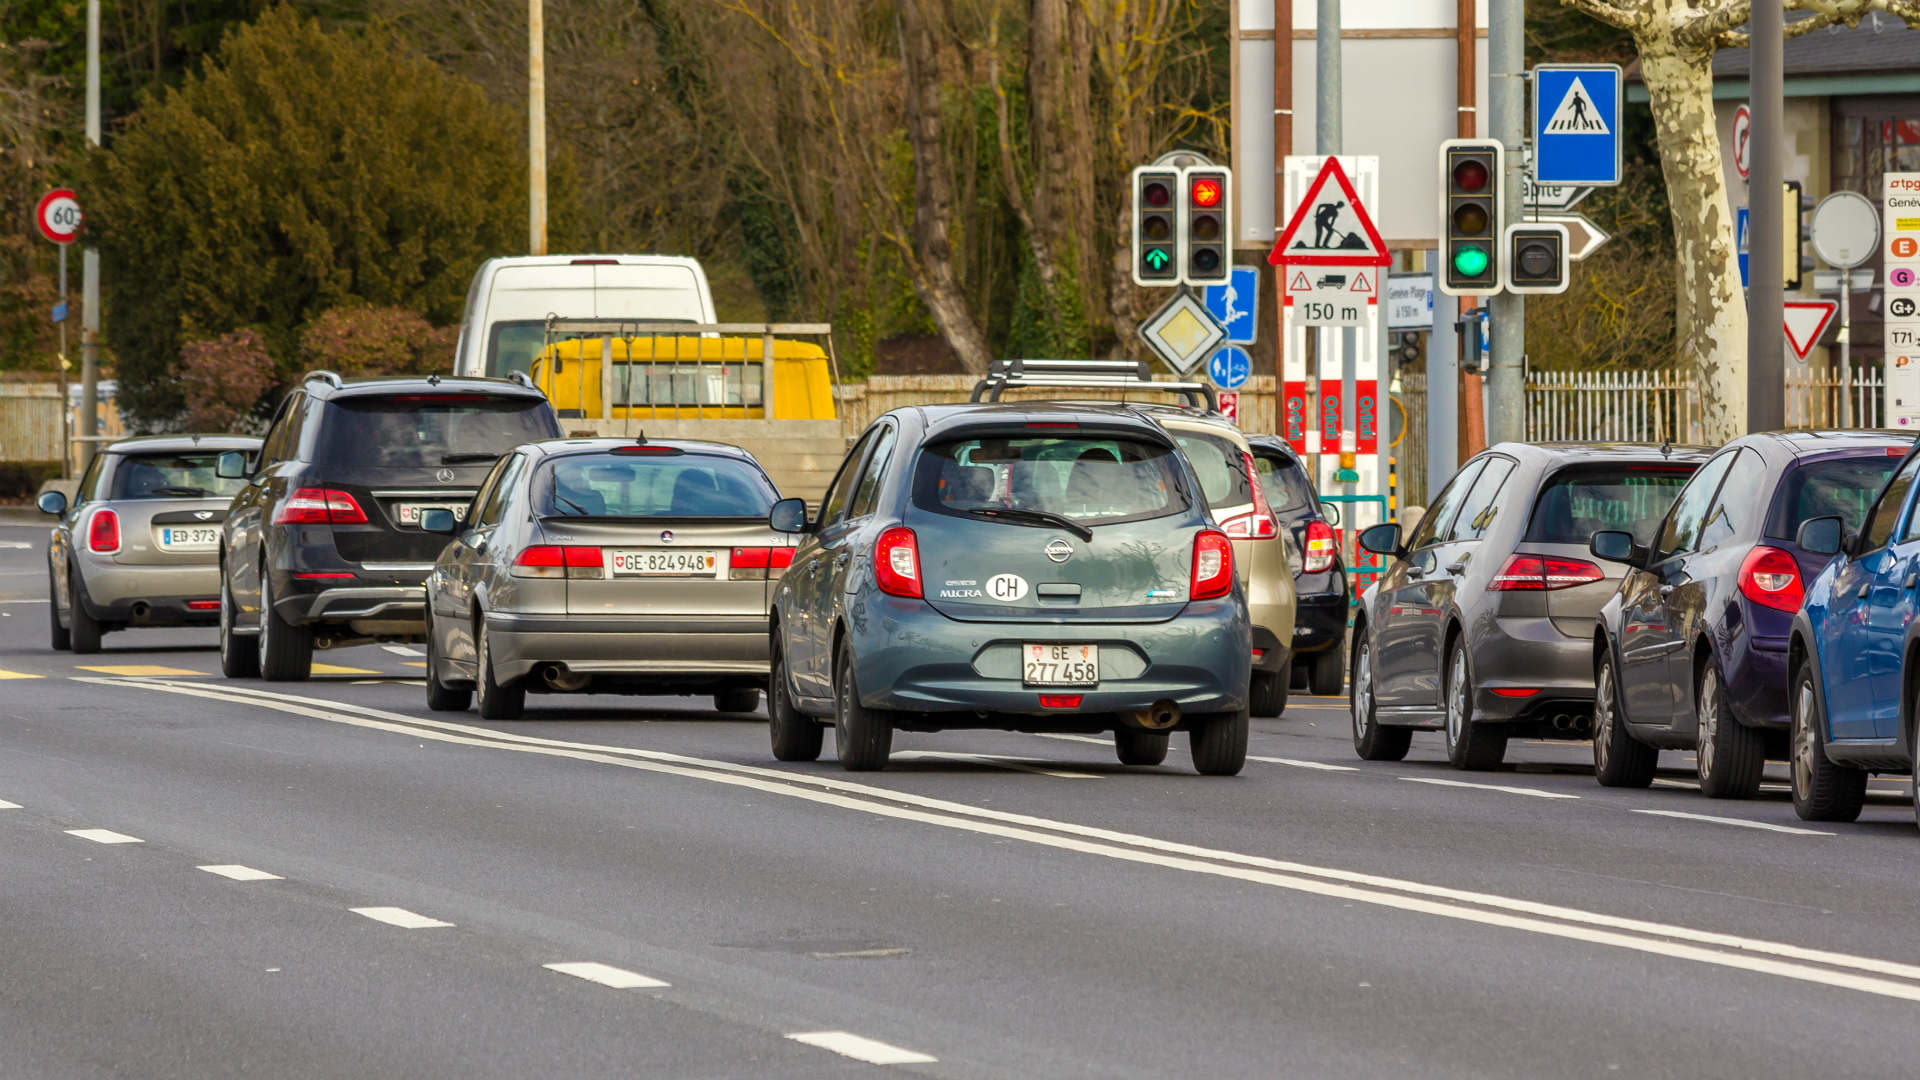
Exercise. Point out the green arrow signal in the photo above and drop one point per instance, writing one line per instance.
(1157, 258)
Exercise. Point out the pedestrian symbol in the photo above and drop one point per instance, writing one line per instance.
(1576, 124)
(1576, 114)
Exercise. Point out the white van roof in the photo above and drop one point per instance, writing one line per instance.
(596, 286)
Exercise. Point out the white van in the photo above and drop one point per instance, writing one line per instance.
(503, 328)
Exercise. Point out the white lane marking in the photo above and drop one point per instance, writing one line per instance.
(401, 917)
(605, 975)
(403, 650)
(1323, 766)
(860, 1048)
(388, 682)
(14, 545)
(1728, 950)
(1094, 739)
(5, 805)
(1535, 792)
(1015, 763)
(42, 600)
(104, 836)
(236, 872)
(1742, 822)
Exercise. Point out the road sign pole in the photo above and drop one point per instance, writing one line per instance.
(90, 261)
(1766, 350)
(1846, 350)
(1443, 393)
(1506, 57)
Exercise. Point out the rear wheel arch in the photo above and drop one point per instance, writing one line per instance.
(1909, 685)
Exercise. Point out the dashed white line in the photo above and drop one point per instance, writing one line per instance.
(860, 1048)
(5, 805)
(236, 872)
(1015, 763)
(104, 836)
(401, 917)
(1534, 792)
(403, 650)
(605, 975)
(1742, 822)
(1323, 766)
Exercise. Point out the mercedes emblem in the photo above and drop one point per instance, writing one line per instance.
(1059, 550)
(445, 476)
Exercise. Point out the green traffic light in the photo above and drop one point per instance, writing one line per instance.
(1156, 257)
(1471, 260)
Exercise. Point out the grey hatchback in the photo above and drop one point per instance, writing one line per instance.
(1045, 568)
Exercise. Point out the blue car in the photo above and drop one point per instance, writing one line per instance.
(1048, 568)
(1854, 653)
(1691, 651)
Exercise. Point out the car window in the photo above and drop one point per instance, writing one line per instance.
(1440, 513)
(421, 430)
(1682, 531)
(278, 446)
(1220, 466)
(493, 492)
(643, 482)
(1285, 483)
(177, 475)
(90, 479)
(1886, 510)
(1836, 487)
(868, 489)
(1737, 511)
(835, 500)
(1096, 479)
(1580, 500)
(1481, 506)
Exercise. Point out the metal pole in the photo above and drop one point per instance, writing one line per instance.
(536, 130)
(90, 261)
(1846, 347)
(1443, 390)
(1766, 347)
(1470, 432)
(1506, 91)
(1326, 57)
(1282, 146)
(66, 409)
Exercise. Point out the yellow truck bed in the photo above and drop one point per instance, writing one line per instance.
(684, 377)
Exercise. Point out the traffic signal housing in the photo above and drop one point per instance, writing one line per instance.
(1471, 208)
(1208, 215)
(1536, 258)
(1156, 225)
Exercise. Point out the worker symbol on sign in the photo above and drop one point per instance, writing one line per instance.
(1335, 228)
(1576, 114)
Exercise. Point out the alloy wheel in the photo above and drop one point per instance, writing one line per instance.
(1603, 716)
(1803, 736)
(1709, 718)
(1363, 691)
(1457, 697)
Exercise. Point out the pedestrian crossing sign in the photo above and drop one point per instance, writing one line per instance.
(1576, 124)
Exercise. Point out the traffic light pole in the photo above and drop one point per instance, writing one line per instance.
(89, 268)
(1506, 91)
(1766, 346)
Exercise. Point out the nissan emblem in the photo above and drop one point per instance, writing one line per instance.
(1059, 550)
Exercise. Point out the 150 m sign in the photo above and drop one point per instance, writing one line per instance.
(1331, 295)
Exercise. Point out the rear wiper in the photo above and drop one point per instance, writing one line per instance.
(578, 510)
(1033, 517)
(469, 458)
(174, 489)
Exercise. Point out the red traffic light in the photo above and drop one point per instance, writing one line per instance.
(1155, 193)
(1470, 175)
(1206, 192)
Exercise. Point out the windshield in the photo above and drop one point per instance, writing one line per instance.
(1578, 502)
(511, 346)
(635, 485)
(185, 475)
(1095, 479)
(1218, 462)
(413, 430)
(1842, 487)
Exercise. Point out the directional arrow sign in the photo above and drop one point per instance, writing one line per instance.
(1806, 320)
(1583, 236)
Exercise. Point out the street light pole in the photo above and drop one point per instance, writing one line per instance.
(1506, 93)
(90, 263)
(536, 129)
(1766, 346)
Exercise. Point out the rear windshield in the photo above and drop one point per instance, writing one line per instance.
(1578, 502)
(646, 486)
(1285, 485)
(1094, 479)
(1837, 486)
(186, 475)
(1221, 467)
(415, 430)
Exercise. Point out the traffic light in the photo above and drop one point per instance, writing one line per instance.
(1156, 195)
(1470, 215)
(1536, 259)
(1794, 228)
(1208, 216)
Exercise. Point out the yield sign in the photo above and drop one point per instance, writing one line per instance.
(1806, 321)
(1331, 228)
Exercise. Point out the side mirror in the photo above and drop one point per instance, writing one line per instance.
(437, 520)
(51, 502)
(231, 465)
(788, 516)
(1614, 545)
(1820, 536)
(1382, 539)
(1330, 511)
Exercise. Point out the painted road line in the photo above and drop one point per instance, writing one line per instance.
(1323, 766)
(403, 650)
(1535, 792)
(138, 671)
(236, 872)
(606, 975)
(17, 675)
(336, 669)
(104, 836)
(388, 682)
(40, 600)
(5, 805)
(401, 917)
(1741, 822)
(1016, 763)
(860, 1048)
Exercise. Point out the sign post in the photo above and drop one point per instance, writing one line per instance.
(58, 216)
(1845, 233)
(1900, 248)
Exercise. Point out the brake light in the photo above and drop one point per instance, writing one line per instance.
(648, 450)
(1212, 566)
(595, 262)
(1319, 554)
(103, 532)
(896, 562)
(1770, 577)
(1061, 701)
(1535, 573)
(584, 562)
(440, 399)
(323, 575)
(320, 506)
(1054, 424)
(344, 509)
(203, 605)
(1514, 691)
(758, 563)
(541, 561)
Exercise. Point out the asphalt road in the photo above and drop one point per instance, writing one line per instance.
(993, 905)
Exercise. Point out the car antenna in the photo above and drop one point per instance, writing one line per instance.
(433, 379)
(1666, 447)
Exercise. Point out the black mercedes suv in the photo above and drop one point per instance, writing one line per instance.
(323, 547)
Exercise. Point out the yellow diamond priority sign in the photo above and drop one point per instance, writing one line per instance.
(1183, 333)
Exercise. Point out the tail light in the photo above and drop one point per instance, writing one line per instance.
(758, 563)
(896, 562)
(103, 532)
(553, 561)
(1212, 566)
(1771, 578)
(1061, 701)
(1537, 573)
(320, 506)
(203, 605)
(1319, 556)
(584, 562)
(1260, 523)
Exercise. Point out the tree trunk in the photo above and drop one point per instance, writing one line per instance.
(1060, 132)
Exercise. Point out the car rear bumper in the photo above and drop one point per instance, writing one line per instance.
(629, 645)
(1527, 653)
(1321, 624)
(114, 588)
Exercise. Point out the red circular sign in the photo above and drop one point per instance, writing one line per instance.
(1742, 149)
(58, 216)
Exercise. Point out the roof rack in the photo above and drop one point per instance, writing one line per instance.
(522, 378)
(327, 377)
(1088, 375)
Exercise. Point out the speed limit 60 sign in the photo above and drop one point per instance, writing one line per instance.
(58, 216)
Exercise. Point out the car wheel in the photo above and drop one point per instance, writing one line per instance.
(1822, 790)
(440, 696)
(57, 634)
(1619, 759)
(84, 630)
(740, 699)
(1324, 674)
(285, 650)
(1219, 743)
(1370, 740)
(1267, 694)
(862, 737)
(1731, 755)
(497, 701)
(796, 736)
(238, 659)
(1136, 747)
(1471, 744)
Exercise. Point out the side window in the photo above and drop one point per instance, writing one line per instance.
(1740, 507)
(1440, 514)
(835, 499)
(1478, 511)
(865, 492)
(278, 445)
(1682, 531)
(492, 493)
(1887, 510)
(85, 491)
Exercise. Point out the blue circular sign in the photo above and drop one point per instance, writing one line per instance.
(1229, 367)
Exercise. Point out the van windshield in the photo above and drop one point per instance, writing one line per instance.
(1095, 479)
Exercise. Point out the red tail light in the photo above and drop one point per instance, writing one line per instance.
(758, 563)
(1061, 701)
(553, 561)
(1536, 573)
(1258, 524)
(896, 562)
(1319, 554)
(584, 562)
(203, 605)
(1771, 578)
(319, 506)
(1212, 566)
(103, 532)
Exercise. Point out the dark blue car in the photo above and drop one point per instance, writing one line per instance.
(1854, 655)
(1691, 652)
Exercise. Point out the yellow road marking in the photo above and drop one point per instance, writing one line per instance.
(138, 669)
(335, 669)
(413, 663)
(17, 675)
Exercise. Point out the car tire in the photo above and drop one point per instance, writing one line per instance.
(1136, 747)
(1372, 741)
(58, 635)
(286, 650)
(497, 701)
(862, 737)
(1325, 673)
(1619, 759)
(1267, 693)
(1822, 789)
(1219, 743)
(795, 735)
(740, 699)
(1730, 755)
(440, 696)
(238, 659)
(84, 630)
(1471, 744)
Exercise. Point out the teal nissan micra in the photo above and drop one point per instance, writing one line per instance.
(1019, 567)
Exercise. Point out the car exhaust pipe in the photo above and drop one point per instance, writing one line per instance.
(560, 678)
(1159, 716)
(140, 610)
